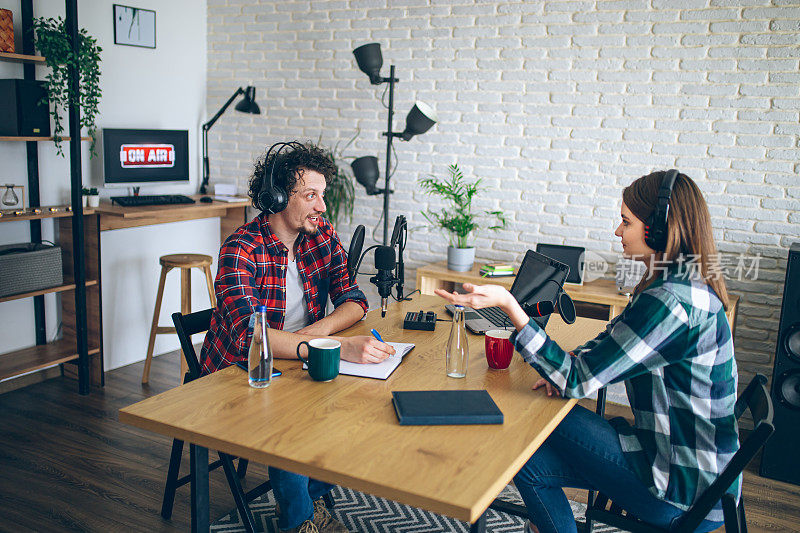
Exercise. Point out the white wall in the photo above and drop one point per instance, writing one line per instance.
(556, 104)
(163, 87)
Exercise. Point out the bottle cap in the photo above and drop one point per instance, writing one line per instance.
(261, 309)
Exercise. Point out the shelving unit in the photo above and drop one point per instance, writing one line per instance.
(79, 237)
(46, 213)
(21, 58)
(50, 290)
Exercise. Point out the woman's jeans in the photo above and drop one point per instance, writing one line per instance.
(295, 495)
(584, 452)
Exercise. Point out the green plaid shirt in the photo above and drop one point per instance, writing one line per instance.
(672, 347)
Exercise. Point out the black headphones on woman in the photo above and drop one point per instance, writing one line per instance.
(655, 228)
(272, 198)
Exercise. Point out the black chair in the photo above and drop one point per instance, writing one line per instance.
(757, 399)
(185, 327)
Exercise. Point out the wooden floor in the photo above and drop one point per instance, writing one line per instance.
(67, 464)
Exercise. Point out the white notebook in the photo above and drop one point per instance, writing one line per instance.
(380, 370)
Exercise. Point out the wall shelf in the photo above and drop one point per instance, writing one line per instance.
(21, 58)
(46, 213)
(59, 288)
(38, 357)
(21, 139)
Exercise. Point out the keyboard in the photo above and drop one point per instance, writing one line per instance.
(495, 315)
(156, 199)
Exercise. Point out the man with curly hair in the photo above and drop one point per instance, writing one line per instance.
(290, 259)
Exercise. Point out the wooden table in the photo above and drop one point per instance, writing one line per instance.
(345, 432)
(600, 291)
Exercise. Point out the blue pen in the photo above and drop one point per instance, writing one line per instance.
(377, 335)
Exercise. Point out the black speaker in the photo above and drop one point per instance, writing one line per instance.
(20, 111)
(780, 459)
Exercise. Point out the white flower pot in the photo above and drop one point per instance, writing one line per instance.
(85, 200)
(460, 259)
(94, 200)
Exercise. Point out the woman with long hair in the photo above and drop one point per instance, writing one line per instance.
(671, 346)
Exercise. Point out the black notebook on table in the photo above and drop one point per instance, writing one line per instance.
(445, 407)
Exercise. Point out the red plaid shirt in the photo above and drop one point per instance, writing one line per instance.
(252, 272)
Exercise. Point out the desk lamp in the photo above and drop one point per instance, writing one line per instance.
(247, 105)
(418, 121)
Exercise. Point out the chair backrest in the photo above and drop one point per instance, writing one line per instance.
(185, 327)
(756, 398)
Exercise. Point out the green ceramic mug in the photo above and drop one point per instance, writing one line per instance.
(323, 358)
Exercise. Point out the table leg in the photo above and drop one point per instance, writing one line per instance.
(479, 526)
(198, 464)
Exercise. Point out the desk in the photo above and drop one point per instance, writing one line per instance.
(600, 291)
(345, 432)
(232, 214)
(109, 217)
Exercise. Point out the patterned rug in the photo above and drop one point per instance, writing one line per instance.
(363, 513)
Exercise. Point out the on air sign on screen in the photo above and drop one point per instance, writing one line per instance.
(147, 155)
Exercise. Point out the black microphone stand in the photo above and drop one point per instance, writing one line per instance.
(400, 272)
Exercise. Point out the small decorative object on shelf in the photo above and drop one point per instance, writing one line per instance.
(6, 31)
(13, 197)
(85, 192)
(94, 197)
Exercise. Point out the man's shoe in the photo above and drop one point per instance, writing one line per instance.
(306, 527)
(324, 521)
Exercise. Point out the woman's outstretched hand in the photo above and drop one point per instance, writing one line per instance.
(478, 296)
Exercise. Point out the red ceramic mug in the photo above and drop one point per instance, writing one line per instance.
(499, 349)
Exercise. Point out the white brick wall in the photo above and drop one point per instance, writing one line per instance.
(557, 105)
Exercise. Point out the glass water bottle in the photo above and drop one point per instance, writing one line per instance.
(259, 357)
(457, 347)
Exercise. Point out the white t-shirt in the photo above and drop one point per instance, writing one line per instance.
(297, 316)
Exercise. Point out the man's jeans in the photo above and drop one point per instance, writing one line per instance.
(584, 452)
(295, 495)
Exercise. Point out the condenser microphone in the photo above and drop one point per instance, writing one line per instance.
(384, 280)
(538, 309)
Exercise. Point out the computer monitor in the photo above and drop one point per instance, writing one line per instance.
(138, 157)
(572, 256)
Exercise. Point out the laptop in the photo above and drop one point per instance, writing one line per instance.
(539, 279)
(572, 256)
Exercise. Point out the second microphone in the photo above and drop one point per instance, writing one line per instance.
(385, 279)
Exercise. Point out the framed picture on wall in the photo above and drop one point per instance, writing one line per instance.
(134, 26)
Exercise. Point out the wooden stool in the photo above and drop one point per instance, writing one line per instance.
(185, 262)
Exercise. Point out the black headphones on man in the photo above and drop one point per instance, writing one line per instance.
(655, 228)
(272, 198)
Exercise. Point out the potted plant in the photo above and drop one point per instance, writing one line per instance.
(94, 197)
(458, 220)
(53, 42)
(339, 194)
(85, 192)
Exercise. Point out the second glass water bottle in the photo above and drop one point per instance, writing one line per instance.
(457, 347)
